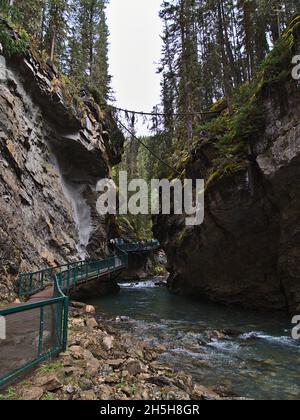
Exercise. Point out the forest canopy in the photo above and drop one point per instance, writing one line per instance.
(212, 51)
(72, 33)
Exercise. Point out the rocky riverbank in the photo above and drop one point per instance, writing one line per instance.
(107, 363)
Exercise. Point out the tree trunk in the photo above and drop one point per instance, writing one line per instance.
(226, 73)
(91, 36)
(53, 42)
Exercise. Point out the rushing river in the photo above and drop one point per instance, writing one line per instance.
(258, 360)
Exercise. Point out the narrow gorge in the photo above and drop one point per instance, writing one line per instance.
(124, 299)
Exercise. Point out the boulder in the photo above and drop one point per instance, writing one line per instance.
(91, 323)
(32, 393)
(108, 342)
(87, 396)
(134, 367)
(89, 309)
(49, 382)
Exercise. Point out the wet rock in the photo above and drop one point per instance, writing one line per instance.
(122, 319)
(174, 395)
(203, 393)
(216, 335)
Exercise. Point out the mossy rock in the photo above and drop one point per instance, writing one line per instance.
(13, 42)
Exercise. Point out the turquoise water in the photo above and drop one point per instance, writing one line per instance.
(259, 360)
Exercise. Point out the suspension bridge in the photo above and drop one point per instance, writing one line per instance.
(38, 329)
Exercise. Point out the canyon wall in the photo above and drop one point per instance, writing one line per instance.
(247, 251)
(53, 151)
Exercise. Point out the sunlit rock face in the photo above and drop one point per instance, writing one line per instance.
(52, 156)
(247, 252)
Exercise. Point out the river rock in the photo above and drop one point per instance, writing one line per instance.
(105, 392)
(85, 384)
(88, 395)
(77, 305)
(108, 342)
(202, 393)
(32, 393)
(76, 352)
(174, 395)
(134, 367)
(91, 323)
(89, 309)
(115, 363)
(116, 376)
(216, 335)
(49, 382)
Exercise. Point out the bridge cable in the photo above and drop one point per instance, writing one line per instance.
(161, 114)
(149, 150)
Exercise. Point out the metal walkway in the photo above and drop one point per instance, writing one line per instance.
(38, 329)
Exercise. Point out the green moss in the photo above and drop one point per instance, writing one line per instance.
(232, 134)
(223, 168)
(9, 395)
(13, 44)
(48, 397)
(50, 367)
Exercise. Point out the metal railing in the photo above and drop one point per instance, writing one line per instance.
(69, 275)
(34, 332)
(37, 331)
(138, 246)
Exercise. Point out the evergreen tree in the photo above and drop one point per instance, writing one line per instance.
(210, 47)
(56, 32)
(100, 78)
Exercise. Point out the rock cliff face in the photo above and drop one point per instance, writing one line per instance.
(52, 155)
(247, 252)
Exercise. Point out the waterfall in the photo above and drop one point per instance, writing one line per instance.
(82, 214)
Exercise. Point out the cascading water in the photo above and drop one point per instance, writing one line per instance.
(82, 214)
(248, 354)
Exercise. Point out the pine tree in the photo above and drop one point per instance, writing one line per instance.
(56, 32)
(100, 78)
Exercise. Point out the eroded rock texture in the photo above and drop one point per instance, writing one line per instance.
(52, 155)
(247, 252)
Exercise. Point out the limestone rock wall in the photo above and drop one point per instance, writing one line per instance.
(51, 156)
(247, 252)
